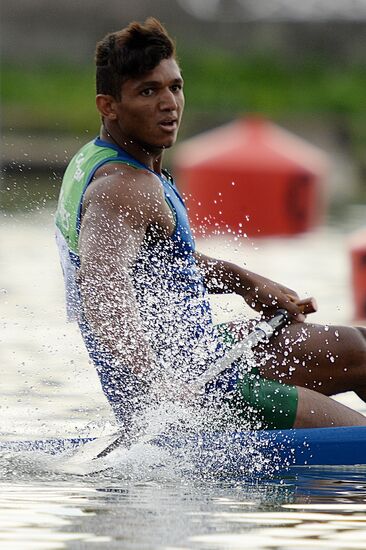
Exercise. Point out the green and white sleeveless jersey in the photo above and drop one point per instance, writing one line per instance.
(77, 177)
(171, 298)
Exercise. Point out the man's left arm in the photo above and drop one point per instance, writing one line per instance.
(260, 293)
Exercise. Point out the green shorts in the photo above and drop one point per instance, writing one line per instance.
(265, 403)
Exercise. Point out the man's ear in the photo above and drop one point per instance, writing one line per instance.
(106, 106)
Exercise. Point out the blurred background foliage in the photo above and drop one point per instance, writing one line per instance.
(308, 75)
(60, 96)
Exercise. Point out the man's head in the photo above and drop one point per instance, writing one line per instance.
(130, 53)
(139, 86)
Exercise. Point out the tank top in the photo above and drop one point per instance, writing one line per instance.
(172, 300)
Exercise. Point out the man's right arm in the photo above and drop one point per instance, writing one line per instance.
(113, 226)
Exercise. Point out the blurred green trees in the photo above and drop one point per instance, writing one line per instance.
(60, 98)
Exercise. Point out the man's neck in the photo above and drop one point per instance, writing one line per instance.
(151, 159)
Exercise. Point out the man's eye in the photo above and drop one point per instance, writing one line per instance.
(177, 87)
(147, 92)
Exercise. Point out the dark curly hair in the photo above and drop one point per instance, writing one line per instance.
(129, 53)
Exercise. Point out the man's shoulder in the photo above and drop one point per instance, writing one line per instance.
(119, 187)
(123, 178)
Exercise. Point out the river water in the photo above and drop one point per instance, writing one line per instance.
(49, 389)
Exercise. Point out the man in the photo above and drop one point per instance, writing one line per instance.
(139, 289)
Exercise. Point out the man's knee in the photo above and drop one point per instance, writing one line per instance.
(362, 331)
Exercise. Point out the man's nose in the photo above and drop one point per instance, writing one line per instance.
(168, 100)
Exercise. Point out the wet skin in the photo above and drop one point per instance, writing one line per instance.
(123, 203)
(145, 119)
(327, 359)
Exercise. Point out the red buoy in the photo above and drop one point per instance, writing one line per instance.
(358, 273)
(252, 177)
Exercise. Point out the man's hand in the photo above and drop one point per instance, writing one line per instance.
(260, 293)
(266, 296)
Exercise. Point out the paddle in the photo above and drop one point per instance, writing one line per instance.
(88, 458)
(262, 332)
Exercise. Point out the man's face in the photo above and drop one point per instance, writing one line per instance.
(151, 106)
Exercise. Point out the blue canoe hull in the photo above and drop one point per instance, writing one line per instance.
(286, 448)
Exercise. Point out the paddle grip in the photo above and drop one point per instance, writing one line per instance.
(308, 305)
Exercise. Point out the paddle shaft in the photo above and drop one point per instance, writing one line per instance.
(262, 332)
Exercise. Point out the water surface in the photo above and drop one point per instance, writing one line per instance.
(49, 388)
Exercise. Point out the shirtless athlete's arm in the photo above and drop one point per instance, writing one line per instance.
(260, 293)
(119, 206)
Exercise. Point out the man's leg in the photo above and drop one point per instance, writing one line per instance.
(315, 410)
(327, 359)
(303, 355)
(268, 404)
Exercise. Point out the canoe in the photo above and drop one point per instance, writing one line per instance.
(283, 449)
